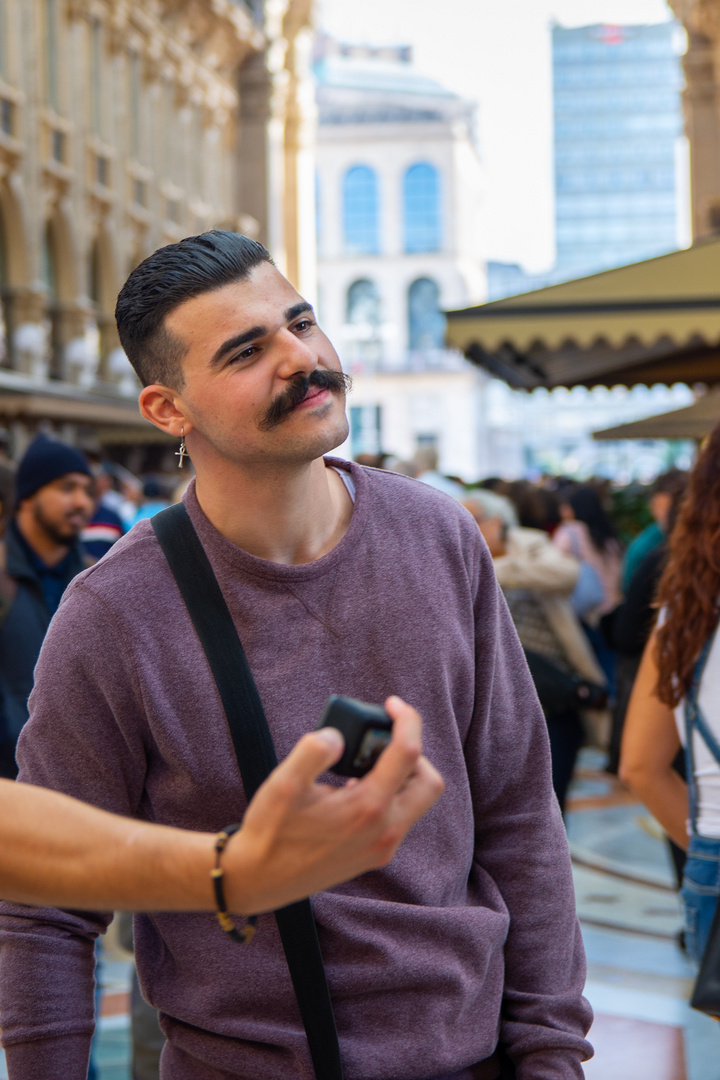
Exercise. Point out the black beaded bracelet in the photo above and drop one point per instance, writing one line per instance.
(242, 937)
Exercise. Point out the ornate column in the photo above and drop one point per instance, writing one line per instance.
(29, 329)
(701, 101)
(300, 132)
(261, 164)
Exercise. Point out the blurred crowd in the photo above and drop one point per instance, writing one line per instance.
(61, 509)
(579, 575)
(581, 567)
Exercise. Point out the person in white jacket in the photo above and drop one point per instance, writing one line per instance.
(537, 579)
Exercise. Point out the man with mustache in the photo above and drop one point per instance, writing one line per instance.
(339, 579)
(43, 554)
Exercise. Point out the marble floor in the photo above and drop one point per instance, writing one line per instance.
(638, 979)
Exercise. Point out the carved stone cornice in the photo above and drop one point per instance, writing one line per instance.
(213, 34)
(220, 34)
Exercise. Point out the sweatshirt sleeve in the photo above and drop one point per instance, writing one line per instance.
(521, 843)
(74, 742)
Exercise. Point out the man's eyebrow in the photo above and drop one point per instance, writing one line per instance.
(236, 342)
(298, 309)
(256, 332)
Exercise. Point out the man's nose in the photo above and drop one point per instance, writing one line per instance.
(294, 355)
(83, 500)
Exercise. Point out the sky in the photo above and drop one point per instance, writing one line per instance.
(496, 52)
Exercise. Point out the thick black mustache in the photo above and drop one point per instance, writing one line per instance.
(335, 381)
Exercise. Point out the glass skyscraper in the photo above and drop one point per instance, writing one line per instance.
(617, 113)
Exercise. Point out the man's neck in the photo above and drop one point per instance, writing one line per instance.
(288, 516)
(45, 547)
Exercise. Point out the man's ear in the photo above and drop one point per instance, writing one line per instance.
(163, 408)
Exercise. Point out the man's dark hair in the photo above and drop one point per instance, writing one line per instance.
(166, 279)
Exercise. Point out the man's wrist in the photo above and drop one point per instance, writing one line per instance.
(243, 877)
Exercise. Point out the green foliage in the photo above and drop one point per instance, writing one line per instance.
(630, 510)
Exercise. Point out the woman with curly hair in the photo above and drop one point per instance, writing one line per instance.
(676, 698)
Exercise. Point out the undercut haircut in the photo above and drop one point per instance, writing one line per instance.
(164, 281)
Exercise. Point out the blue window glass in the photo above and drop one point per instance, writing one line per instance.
(421, 205)
(363, 304)
(426, 322)
(360, 211)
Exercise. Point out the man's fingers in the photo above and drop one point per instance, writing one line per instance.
(312, 755)
(397, 762)
(407, 806)
(422, 791)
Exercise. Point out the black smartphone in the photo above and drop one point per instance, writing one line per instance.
(367, 729)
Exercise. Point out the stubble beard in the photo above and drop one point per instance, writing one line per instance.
(283, 451)
(63, 537)
(304, 450)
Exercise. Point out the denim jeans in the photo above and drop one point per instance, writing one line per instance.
(700, 892)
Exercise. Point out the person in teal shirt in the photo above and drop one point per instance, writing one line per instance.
(662, 495)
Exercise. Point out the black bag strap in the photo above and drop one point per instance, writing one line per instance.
(256, 757)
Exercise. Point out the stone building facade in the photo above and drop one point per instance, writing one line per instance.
(126, 125)
(701, 19)
(399, 197)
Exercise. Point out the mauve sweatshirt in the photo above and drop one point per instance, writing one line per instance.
(469, 934)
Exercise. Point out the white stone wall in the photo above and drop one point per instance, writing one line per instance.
(446, 403)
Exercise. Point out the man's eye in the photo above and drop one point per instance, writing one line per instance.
(245, 354)
(304, 324)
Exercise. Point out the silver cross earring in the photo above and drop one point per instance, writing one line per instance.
(182, 452)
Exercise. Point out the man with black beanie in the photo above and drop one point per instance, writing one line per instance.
(43, 554)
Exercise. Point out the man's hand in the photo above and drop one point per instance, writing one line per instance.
(299, 836)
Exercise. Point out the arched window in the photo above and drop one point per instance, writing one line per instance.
(97, 81)
(49, 263)
(426, 322)
(50, 280)
(52, 90)
(421, 207)
(95, 275)
(135, 94)
(363, 304)
(363, 317)
(360, 211)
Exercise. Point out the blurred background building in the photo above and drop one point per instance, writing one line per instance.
(621, 187)
(619, 151)
(124, 126)
(399, 196)
(620, 154)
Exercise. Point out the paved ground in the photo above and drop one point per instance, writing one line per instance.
(638, 979)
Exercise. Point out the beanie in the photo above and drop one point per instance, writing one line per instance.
(45, 460)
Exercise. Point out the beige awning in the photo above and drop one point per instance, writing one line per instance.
(69, 410)
(693, 422)
(22, 397)
(653, 321)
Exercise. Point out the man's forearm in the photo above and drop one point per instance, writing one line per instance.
(58, 850)
(298, 836)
